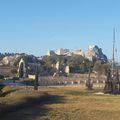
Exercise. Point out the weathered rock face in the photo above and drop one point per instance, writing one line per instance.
(95, 53)
(9, 60)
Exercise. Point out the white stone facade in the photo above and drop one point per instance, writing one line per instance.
(62, 51)
(79, 52)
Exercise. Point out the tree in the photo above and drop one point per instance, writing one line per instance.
(98, 67)
(78, 64)
(1, 85)
(14, 71)
(106, 67)
(1, 76)
(89, 83)
(36, 79)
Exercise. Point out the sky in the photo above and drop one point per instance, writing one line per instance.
(36, 26)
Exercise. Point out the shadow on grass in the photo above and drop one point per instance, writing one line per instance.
(1, 87)
(3, 94)
(30, 108)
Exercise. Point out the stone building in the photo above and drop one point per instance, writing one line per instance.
(22, 68)
(79, 52)
(67, 70)
(62, 51)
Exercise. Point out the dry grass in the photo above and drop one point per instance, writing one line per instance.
(68, 103)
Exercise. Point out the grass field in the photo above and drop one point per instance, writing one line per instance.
(68, 103)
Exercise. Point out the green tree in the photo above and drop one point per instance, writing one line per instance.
(98, 67)
(14, 71)
(106, 67)
(1, 76)
(78, 64)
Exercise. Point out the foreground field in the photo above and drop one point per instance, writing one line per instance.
(68, 103)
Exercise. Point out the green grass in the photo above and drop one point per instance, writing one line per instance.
(68, 103)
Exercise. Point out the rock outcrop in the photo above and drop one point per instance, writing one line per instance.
(9, 60)
(95, 53)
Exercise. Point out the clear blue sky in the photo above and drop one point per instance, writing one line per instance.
(35, 26)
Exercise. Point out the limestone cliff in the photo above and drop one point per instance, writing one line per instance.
(95, 53)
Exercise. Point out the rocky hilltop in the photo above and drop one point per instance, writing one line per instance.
(13, 59)
(9, 60)
(95, 53)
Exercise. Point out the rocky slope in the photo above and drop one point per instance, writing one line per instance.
(95, 53)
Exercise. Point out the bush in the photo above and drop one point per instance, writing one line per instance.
(1, 77)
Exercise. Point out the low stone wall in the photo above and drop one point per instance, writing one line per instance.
(6, 70)
(73, 79)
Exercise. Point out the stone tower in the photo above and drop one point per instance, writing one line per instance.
(22, 69)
